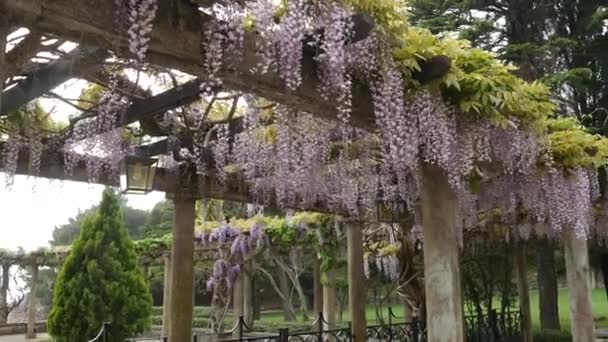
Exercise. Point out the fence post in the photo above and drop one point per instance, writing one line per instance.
(350, 332)
(241, 325)
(415, 330)
(105, 331)
(194, 338)
(283, 335)
(390, 323)
(320, 327)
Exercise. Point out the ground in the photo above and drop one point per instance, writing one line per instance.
(274, 320)
(21, 338)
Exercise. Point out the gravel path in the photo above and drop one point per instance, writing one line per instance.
(21, 338)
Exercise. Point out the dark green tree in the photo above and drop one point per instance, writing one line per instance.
(100, 282)
(136, 222)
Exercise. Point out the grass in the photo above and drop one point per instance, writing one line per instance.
(598, 300)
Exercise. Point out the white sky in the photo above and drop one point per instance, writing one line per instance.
(32, 207)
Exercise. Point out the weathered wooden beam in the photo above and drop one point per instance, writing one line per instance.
(22, 53)
(50, 76)
(176, 43)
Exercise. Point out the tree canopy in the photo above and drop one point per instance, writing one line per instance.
(100, 281)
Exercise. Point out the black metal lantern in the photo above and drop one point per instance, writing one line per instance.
(137, 175)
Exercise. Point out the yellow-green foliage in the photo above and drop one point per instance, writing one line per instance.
(382, 248)
(573, 146)
(480, 85)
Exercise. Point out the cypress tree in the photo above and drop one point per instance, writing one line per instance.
(100, 282)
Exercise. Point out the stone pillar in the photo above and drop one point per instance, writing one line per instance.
(248, 292)
(31, 308)
(6, 268)
(329, 300)
(577, 274)
(166, 295)
(444, 312)
(182, 271)
(317, 287)
(356, 280)
(521, 269)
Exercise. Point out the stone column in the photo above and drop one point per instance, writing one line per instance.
(182, 271)
(166, 295)
(521, 269)
(356, 280)
(577, 274)
(6, 268)
(248, 292)
(329, 300)
(31, 308)
(444, 313)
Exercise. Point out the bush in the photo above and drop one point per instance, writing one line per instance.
(552, 336)
(100, 281)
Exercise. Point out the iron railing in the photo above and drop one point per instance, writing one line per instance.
(413, 331)
(242, 332)
(494, 327)
(102, 334)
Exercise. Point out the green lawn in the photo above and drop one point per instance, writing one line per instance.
(272, 320)
(598, 299)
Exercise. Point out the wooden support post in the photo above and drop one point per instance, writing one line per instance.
(356, 280)
(441, 258)
(523, 290)
(182, 271)
(166, 296)
(577, 274)
(248, 292)
(31, 308)
(6, 268)
(329, 300)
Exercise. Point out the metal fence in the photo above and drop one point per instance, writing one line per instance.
(242, 333)
(494, 327)
(412, 331)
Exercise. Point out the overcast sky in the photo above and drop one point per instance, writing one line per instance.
(31, 208)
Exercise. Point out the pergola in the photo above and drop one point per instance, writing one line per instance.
(176, 44)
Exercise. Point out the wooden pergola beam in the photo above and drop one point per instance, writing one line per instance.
(176, 43)
(50, 76)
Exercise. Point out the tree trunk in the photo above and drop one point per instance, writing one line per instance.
(356, 280)
(248, 292)
(317, 287)
(31, 308)
(523, 290)
(6, 268)
(329, 300)
(547, 285)
(441, 258)
(577, 273)
(182, 271)
(166, 296)
(604, 265)
(284, 287)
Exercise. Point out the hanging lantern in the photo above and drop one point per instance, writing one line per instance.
(137, 176)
